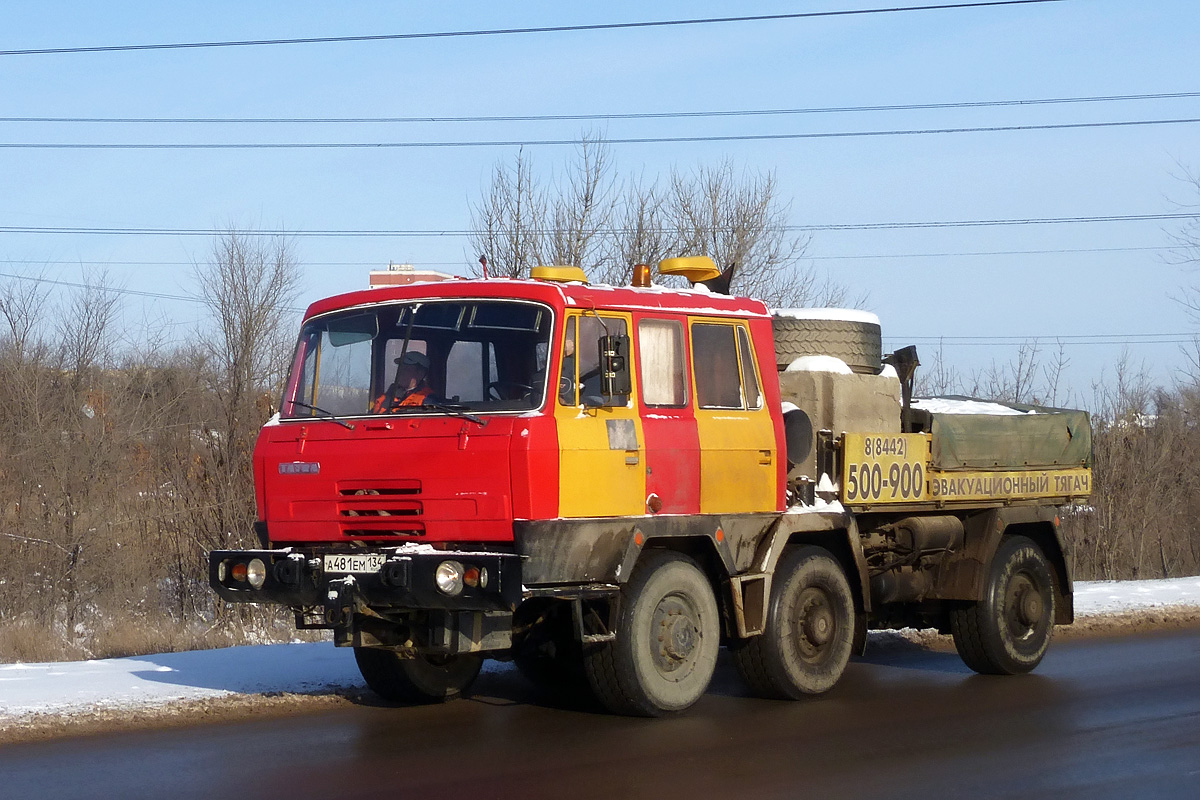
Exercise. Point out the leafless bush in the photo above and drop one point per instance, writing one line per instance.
(122, 467)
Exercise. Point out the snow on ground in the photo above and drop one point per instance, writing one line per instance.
(149, 681)
(1115, 597)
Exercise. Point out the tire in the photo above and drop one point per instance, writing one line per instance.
(810, 629)
(422, 679)
(1007, 632)
(667, 637)
(859, 344)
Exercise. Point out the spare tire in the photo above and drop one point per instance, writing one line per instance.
(857, 342)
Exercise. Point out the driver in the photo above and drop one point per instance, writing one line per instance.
(411, 387)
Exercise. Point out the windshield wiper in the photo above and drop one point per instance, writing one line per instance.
(453, 409)
(328, 414)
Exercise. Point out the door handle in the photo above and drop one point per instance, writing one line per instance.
(377, 426)
(632, 458)
(764, 456)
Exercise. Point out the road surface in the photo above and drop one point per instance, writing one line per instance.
(1100, 718)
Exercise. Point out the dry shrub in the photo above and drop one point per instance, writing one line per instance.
(25, 642)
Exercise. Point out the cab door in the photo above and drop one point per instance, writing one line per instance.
(601, 447)
(668, 420)
(738, 471)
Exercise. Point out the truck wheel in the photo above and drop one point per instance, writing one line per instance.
(422, 679)
(1008, 631)
(859, 344)
(810, 629)
(668, 635)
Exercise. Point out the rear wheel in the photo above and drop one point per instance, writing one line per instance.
(668, 635)
(810, 629)
(1008, 631)
(422, 679)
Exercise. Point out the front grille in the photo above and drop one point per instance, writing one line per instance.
(375, 505)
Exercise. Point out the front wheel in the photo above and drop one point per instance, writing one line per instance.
(1007, 632)
(421, 679)
(668, 635)
(810, 629)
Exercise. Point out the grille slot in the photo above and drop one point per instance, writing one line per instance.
(404, 529)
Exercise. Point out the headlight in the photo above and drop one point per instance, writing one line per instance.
(449, 577)
(256, 573)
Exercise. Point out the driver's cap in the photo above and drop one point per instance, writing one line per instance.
(412, 357)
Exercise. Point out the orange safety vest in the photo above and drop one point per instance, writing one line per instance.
(416, 397)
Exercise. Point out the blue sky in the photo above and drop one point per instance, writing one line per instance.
(1073, 48)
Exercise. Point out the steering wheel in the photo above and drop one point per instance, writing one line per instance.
(494, 390)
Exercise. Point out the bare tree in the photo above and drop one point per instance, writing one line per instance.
(21, 303)
(248, 286)
(582, 205)
(742, 221)
(641, 233)
(587, 220)
(508, 226)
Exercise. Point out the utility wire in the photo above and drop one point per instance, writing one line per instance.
(762, 137)
(761, 112)
(1068, 339)
(118, 290)
(379, 266)
(414, 232)
(1049, 341)
(513, 31)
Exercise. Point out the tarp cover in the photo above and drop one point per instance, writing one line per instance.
(1046, 438)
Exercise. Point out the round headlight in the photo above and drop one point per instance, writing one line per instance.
(449, 577)
(256, 573)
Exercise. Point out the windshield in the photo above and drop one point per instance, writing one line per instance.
(478, 355)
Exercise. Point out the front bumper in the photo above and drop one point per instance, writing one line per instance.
(297, 578)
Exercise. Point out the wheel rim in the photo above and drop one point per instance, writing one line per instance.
(1024, 606)
(814, 625)
(675, 636)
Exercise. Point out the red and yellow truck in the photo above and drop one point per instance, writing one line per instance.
(614, 482)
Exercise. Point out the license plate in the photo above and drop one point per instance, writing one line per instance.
(354, 562)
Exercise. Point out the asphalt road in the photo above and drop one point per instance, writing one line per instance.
(1100, 718)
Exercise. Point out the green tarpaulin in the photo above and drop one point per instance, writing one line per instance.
(1047, 438)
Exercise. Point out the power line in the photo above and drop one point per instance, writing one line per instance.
(1058, 251)
(415, 232)
(118, 290)
(614, 116)
(513, 31)
(952, 341)
(852, 257)
(759, 137)
(1042, 338)
(1047, 341)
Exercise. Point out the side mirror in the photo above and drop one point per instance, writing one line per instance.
(615, 380)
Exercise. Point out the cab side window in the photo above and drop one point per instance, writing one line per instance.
(581, 356)
(723, 364)
(753, 395)
(661, 363)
